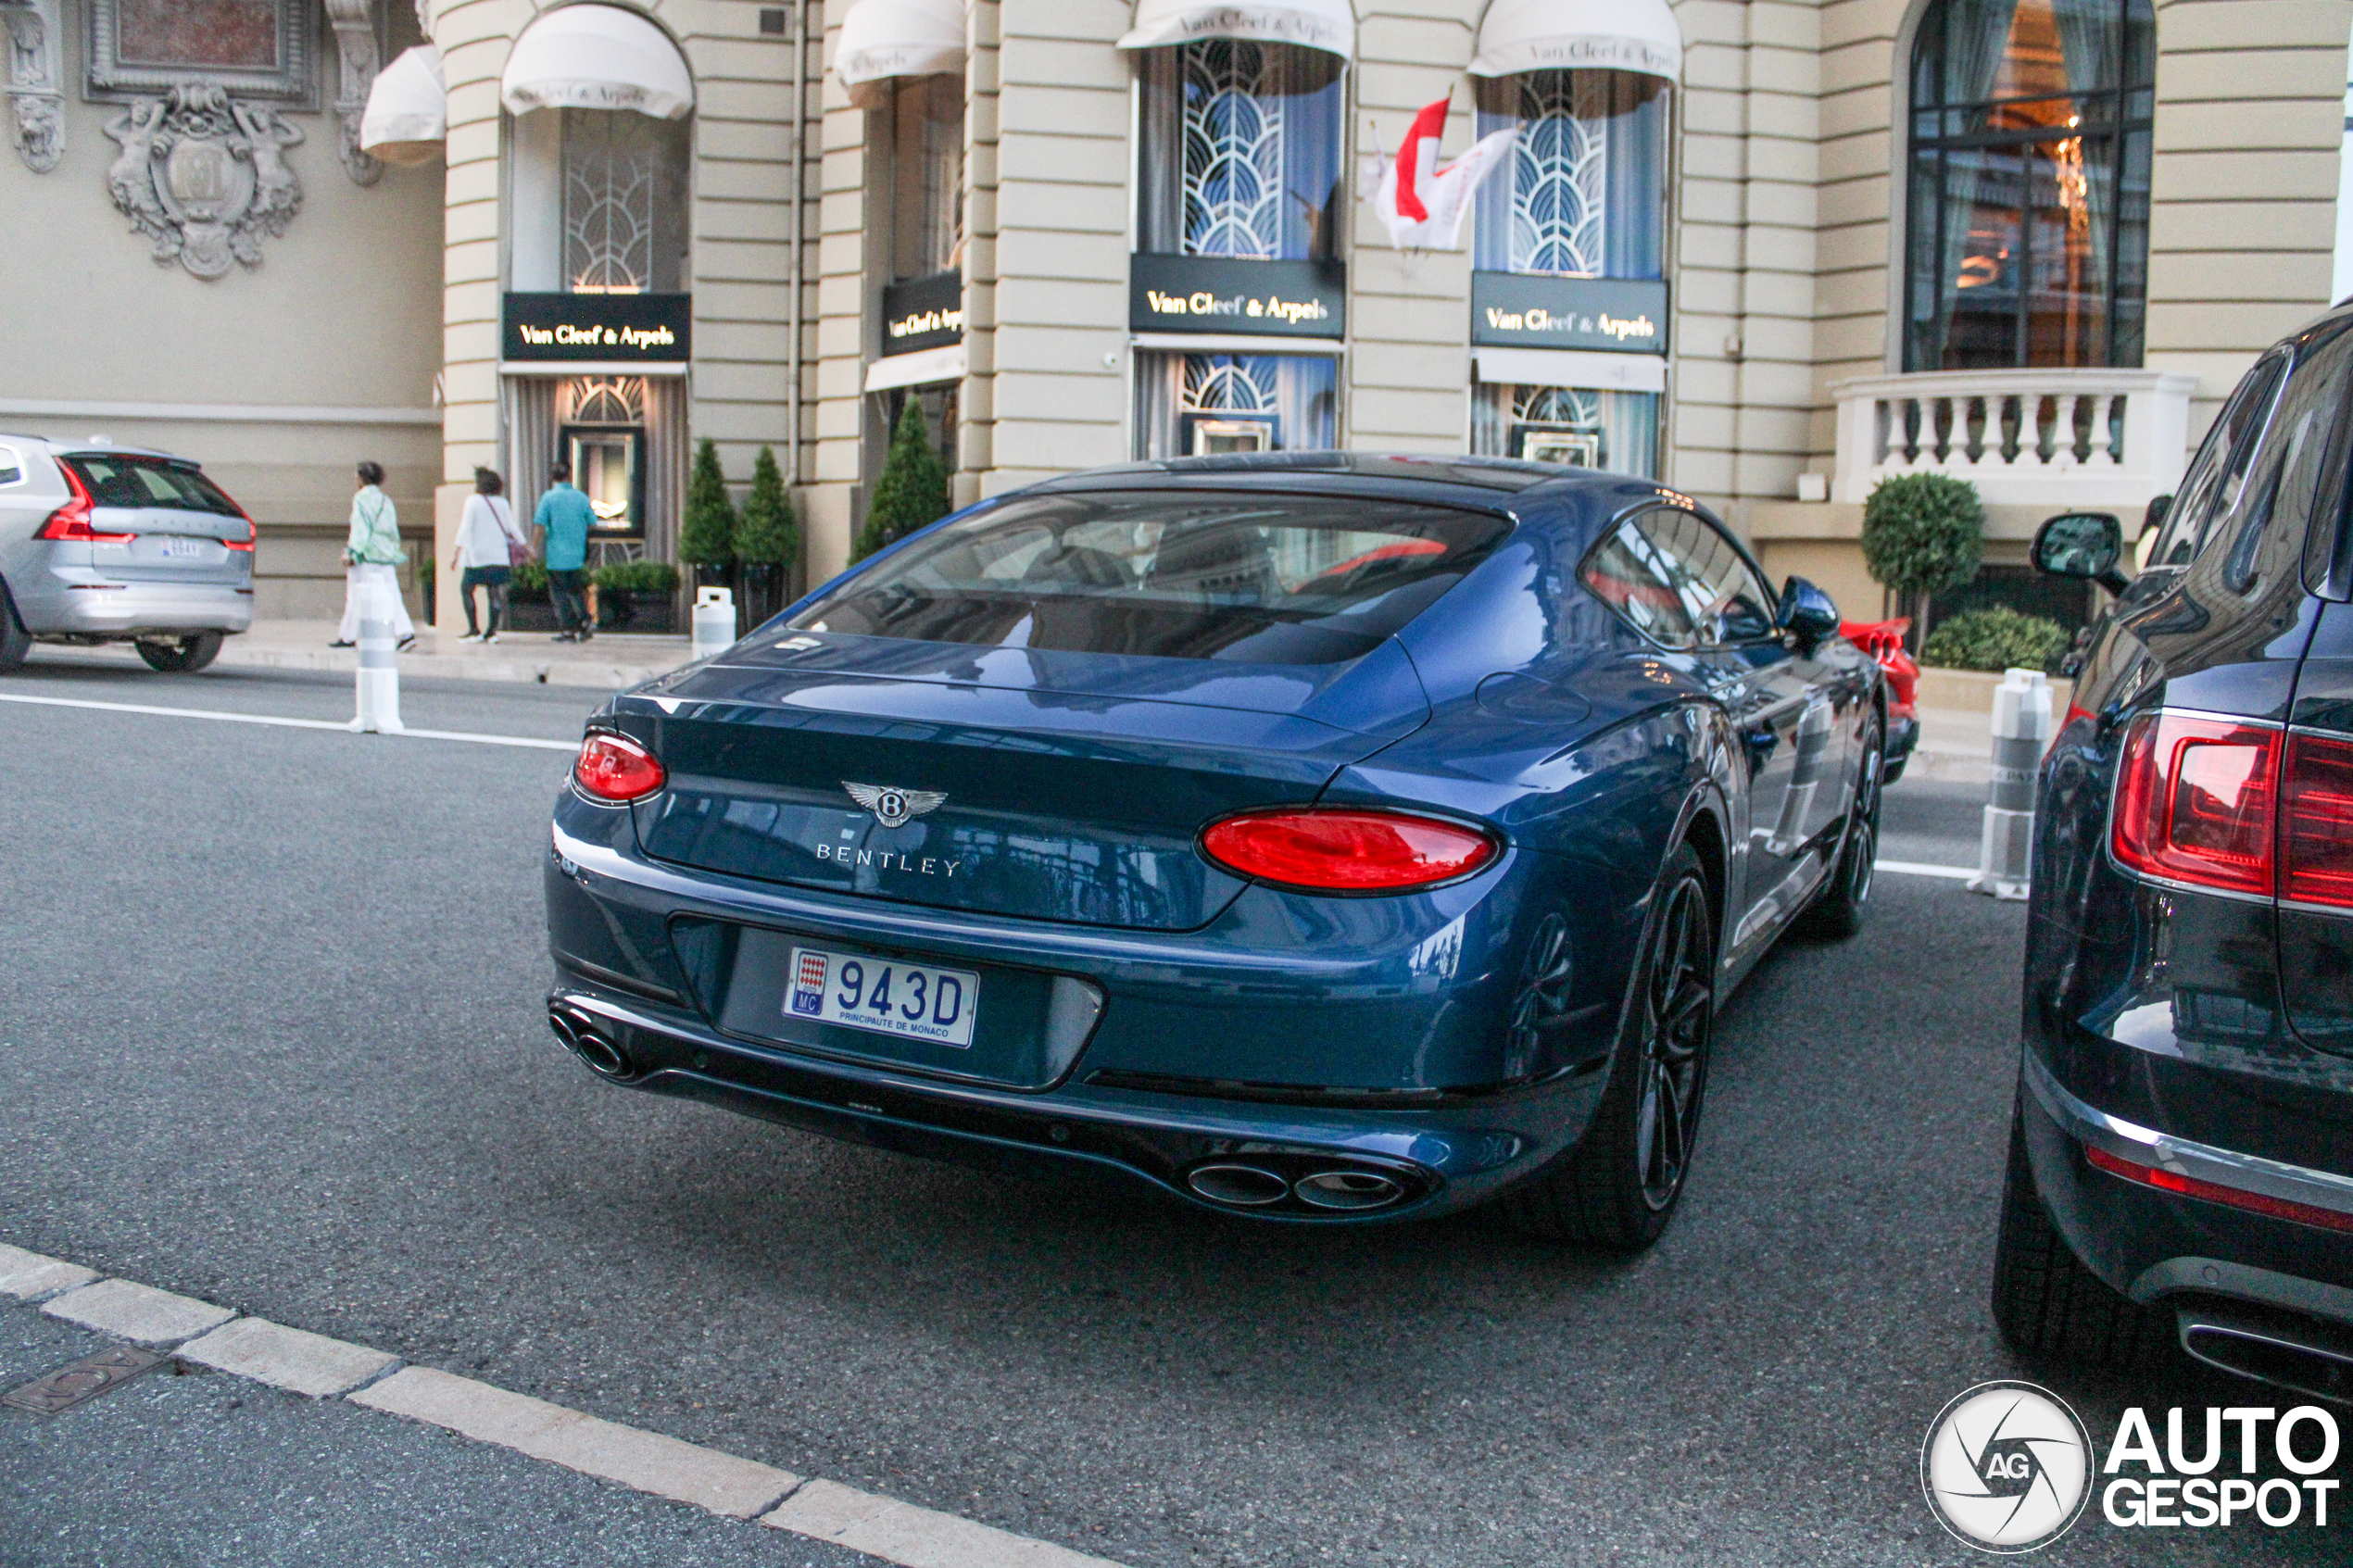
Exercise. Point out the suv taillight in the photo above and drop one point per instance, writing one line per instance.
(2318, 853)
(2194, 801)
(71, 521)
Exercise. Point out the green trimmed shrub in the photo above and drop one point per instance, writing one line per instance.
(530, 578)
(1923, 533)
(911, 490)
(1996, 639)
(637, 577)
(707, 533)
(766, 534)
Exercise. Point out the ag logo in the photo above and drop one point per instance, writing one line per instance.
(2007, 1467)
(892, 808)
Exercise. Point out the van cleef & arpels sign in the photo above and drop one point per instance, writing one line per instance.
(1214, 294)
(652, 329)
(1515, 310)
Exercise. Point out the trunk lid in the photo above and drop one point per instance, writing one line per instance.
(1049, 785)
(181, 524)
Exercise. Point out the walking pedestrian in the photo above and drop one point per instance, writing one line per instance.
(488, 542)
(563, 515)
(370, 556)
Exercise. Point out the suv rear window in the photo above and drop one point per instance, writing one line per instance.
(1254, 577)
(150, 481)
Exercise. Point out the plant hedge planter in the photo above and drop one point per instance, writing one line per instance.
(651, 614)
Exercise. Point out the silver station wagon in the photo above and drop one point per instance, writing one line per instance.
(103, 544)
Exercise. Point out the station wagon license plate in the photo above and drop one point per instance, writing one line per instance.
(913, 1001)
(180, 548)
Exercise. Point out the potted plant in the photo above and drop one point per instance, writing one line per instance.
(1923, 534)
(528, 606)
(638, 595)
(767, 542)
(911, 491)
(707, 531)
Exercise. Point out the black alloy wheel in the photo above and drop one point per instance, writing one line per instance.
(181, 655)
(1837, 911)
(1618, 1185)
(1541, 1004)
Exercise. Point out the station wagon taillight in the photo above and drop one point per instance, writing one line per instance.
(617, 769)
(1344, 851)
(71, 521)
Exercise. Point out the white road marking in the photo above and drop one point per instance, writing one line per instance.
(919, 1538)
(28, 1276)
(282, 722)
(288, 1358)
(140, 1313)
(1916, 867)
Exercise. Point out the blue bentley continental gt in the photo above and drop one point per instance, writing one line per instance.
(1325, 837)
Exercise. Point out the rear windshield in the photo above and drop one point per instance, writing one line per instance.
(1256, 578)
(150, 481)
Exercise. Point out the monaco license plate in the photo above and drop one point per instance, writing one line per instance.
(913, 1001)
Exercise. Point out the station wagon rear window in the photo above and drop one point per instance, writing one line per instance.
(150, 481)
(1175, 574)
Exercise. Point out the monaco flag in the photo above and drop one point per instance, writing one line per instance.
(1422, 205)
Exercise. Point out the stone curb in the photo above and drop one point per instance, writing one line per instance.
(137, 1312)
(287, 1358)
(28, 1276)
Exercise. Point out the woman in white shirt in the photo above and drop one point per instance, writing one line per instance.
(482, 558)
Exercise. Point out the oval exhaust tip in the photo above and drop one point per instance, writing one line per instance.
(1245, 1186)
(1349, 1189)
(563, 1030)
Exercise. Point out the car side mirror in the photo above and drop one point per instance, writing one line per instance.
(2084, 545)
(1807, 614)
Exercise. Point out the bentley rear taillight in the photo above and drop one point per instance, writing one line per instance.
(2195, 801)
(2316, 847)
(616, 769)
(1346, 851)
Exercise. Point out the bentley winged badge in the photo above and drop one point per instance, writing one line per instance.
(893, 808)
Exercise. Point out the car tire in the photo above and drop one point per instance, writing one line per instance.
(16, 643)
(1618, 1186)
(2045, 1302)
(1837, 911)
(181, 656)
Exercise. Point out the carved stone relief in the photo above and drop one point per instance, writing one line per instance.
(204, 176)
(356, 49)
(34, 83)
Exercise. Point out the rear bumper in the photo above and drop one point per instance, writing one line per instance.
(2166, 1249)
(125, 609)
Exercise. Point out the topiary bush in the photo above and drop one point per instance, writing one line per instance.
(765, 532)
(637, 577)
(1924, 533)
(707, 531)
(1996, 639)
(911, 491)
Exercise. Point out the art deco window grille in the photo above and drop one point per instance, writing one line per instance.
(1560, 175)
(605, 400)
(1233, 151)
(613, 176)
(1219, 384)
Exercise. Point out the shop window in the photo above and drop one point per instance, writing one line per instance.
(1240, 150)
(1208, 405)
(2027, 220)
(1581, 427)
(1585, 195)
(927, 177)
(624, 202)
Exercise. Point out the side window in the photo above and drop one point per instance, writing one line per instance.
(2266, 529)
(1634, 577)
(11, 466)
(1721, 594)
(2218, 474)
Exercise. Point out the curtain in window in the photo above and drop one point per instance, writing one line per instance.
(1266, 402)
(1977, 38)
(1578, 426)
(1585, 195)
(531, 440)
(1240, 150)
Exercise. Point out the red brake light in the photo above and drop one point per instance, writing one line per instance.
(617, 769)
(2194, 801)
(1346, 851)
(2317, 857)
(2214, 1192)
(246, 543)
(71, 521)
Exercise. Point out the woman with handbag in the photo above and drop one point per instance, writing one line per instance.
(489, 547)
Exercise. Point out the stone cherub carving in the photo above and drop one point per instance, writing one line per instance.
(36, 106)
(204, 177)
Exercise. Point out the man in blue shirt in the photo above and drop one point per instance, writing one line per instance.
(564, 514)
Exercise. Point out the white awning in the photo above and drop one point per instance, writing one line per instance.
(1571, 367)
(1637, 35)
(1327, 25)
(407, 119)
(597, 58)
(920, 369)
(887, 37)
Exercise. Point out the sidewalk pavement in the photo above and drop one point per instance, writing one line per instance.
(609, 662)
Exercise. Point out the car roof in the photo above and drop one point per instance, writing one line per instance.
(91, 448)
(1499, 484)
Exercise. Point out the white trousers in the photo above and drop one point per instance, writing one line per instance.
(386, 582)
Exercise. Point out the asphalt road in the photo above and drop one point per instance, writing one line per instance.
(271, 1034)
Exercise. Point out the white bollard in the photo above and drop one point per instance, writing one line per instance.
(714, 620)
(378, 684)
(2021, 729)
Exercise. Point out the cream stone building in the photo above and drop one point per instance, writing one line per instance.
(1765, 251)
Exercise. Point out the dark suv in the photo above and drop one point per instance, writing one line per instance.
(2182, 1152)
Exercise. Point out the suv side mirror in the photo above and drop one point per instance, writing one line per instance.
(2085, 545)
(1807, 614)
